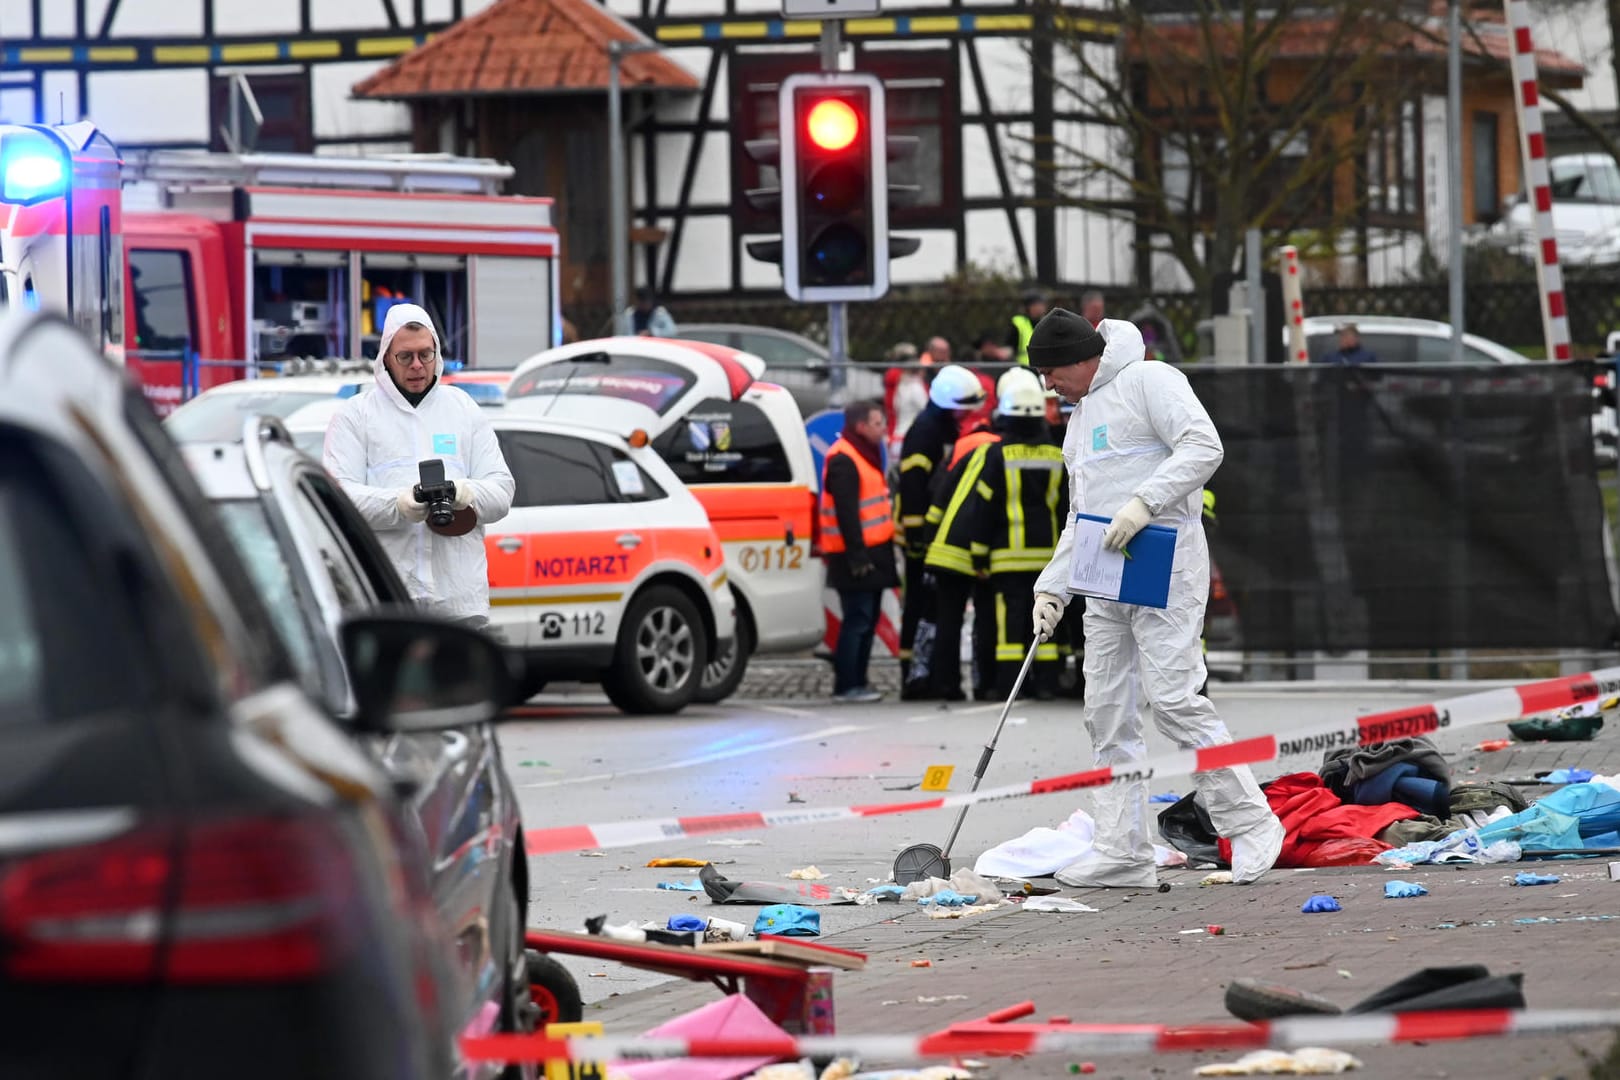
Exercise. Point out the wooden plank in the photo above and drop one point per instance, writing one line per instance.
(795, 952)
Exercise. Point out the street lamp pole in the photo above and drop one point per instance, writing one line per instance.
(618, 225)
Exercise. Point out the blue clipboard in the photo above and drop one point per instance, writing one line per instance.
(1147, 572)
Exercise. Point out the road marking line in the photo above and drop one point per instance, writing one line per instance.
(705, 759)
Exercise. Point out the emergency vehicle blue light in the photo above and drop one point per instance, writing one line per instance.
(30, 176)
(483, 393)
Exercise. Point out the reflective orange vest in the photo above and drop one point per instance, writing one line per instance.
(877, 526)
(966, 444)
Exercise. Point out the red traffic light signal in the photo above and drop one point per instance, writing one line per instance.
(834, 186)
(832, 124)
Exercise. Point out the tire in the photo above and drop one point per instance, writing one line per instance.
(553, 991)
(1250, 999)
(659, 658)
(725, 672)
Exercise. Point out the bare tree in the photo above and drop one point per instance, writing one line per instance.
(1231, 117)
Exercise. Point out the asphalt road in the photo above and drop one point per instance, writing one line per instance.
(581, 762)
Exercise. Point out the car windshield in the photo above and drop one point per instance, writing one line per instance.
(1577, 180)
(657, 384)
(248, 526)
(219, 417)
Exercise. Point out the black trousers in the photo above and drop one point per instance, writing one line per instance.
(1015, 633)
(951, 592)
(917, 606)
(984, 637)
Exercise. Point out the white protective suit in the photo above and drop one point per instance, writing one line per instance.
(1141, 431)
(373, 446)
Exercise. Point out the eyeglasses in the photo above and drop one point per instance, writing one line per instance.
(407, 359)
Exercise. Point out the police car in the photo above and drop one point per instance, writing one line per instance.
(737, 443)
(606, 569)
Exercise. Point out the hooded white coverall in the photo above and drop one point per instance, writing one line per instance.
(1140, 430)
(373, 446)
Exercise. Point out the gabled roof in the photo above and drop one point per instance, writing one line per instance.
(526, 47)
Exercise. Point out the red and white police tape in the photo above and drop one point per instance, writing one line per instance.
(1485, 707)
(1088, 1040)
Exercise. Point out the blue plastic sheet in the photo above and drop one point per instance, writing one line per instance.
(1576, 816)
(682, 886)
(1400, 890)
(1568, 776)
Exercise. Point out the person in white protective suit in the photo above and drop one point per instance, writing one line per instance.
(374, 445)
(1139, 449)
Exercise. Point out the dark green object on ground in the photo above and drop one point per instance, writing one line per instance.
(1568, 729)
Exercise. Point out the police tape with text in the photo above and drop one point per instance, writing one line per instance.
(1485, 707)
(1090, 1040)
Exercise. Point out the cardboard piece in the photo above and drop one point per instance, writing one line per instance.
(793, 952)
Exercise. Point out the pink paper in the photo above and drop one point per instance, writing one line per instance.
(731, 1017)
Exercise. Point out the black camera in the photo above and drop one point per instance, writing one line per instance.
(438, 493)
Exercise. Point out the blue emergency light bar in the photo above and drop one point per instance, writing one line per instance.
(33, 167)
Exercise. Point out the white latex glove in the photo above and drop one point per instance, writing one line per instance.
(409, 508)
(1126, 524)
(464, 495)
(1048, 613)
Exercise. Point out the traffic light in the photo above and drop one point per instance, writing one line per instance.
(835, 210)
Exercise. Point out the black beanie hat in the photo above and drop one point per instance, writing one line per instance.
(1062, 338)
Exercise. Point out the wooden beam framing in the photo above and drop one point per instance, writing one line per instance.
(711, 79)
(976, 70)
(107, 17)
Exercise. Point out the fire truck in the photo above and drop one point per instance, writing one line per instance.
(195, 268)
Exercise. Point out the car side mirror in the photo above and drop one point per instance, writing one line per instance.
(416, 673)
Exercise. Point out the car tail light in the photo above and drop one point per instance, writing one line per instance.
(249, 900)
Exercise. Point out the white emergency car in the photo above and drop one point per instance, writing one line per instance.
(738, 444)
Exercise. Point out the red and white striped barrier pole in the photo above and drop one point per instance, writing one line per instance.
(1078, 1040)
(1293, 294)
(1485, 707)
(1533, 143)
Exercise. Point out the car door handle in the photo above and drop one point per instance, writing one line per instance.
(628, 540)
(509, 544)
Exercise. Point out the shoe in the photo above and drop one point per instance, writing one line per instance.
(1254, 852)
(1095, 871)
(858, 695)
(988, 695)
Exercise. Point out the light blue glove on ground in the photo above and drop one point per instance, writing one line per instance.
(1399, 890)
(948, 898)
(1526, 878)
(1320, 903)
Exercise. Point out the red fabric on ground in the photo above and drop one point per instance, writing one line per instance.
(1312, 816)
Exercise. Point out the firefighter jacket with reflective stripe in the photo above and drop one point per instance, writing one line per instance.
(971, 442)
(927, 447)
(871, 512)
(951, 518)
(1015, 510)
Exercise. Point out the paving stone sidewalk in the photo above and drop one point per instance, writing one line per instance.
(1130, 962)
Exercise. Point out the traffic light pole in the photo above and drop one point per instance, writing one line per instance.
(832, 45)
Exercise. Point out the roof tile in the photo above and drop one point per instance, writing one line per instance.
(525, 47)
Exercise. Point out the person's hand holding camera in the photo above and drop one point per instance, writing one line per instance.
(464, 495)
(409, 508)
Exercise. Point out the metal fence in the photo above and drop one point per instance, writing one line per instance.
(1505, 312)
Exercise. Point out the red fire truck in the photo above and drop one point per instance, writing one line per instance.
(222, 266)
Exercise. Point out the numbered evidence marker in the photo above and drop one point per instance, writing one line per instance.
(938, 777)
(575, 1070)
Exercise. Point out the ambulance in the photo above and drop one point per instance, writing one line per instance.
(195, 268)
(738, 444)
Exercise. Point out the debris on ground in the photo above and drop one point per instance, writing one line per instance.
(807, 873)
(694, 863)
(722, 890)
(964, 883)
(682, 886)
(1062, 904)
(1320, 903)
(1219, 877)
(793, 797)
(1526, 878)
(788, 920)
(1557, 729)
(1400, 890)
(1307, 1061)
(731, 841)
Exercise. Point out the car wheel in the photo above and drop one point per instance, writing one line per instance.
(554, 992)
(659, 659)
(725, 672)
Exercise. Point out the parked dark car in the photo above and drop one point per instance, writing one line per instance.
(792, 361)
(316, 563)
(201, 874)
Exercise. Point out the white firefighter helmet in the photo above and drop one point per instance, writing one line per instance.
(1019, 393)
(955, 387)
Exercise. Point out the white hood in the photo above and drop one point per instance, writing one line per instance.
(398, 316)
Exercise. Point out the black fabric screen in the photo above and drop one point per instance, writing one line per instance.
(1410, 507)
